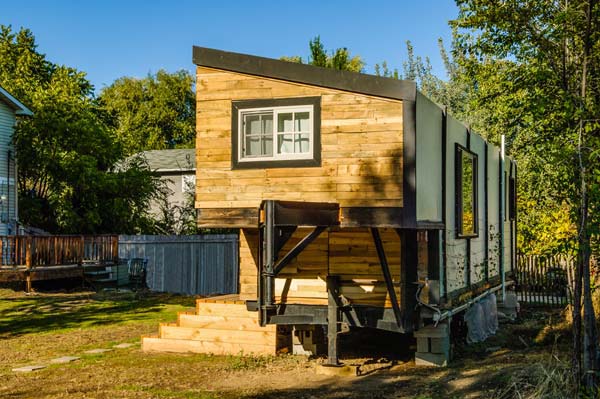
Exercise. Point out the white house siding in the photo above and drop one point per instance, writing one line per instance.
(7, 183)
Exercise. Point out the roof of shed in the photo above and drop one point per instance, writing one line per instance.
(307, 74)
(171, 160)
(13, 103)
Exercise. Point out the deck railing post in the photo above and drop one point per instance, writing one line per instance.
(28, 264)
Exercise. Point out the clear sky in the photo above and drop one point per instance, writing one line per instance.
(109, 39)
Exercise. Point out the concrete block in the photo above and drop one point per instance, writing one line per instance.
(123, 346)
(440, 345)
(97, 351)
(423, 344)
(431, 331)
(431, 359)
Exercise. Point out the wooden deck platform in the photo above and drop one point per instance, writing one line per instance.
(40, 258)
(219, 325)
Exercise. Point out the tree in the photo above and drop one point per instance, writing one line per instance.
(339, 58)
(152, 113)
(66, 151)
(545, 59)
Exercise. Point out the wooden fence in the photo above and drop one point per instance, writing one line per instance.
(48, 251)
(544, 280)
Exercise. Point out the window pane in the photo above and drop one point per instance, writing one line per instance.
(252, 146)
(267, 124)
(267, 145)
(468, 189)
(301, 143)
(302, 122)
(285, 143)
(285, 122)
(252, 124)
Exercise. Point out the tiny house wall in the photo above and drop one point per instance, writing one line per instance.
(361, 148)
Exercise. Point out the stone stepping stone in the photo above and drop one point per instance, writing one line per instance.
(123, 346)
(96, 351)
(65, 359)
(27, 369)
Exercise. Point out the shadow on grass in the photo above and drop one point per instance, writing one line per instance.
(49, 312)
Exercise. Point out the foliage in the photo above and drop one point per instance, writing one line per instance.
(153, 113)
(65, 152)
(339, 58)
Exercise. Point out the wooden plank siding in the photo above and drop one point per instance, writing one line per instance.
(361, 148)
(347, 253)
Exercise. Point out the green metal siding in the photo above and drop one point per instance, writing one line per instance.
(429, 160)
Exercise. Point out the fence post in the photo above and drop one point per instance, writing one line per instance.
(28, 264)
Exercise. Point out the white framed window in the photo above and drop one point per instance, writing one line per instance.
(188, 183)
(276, 133)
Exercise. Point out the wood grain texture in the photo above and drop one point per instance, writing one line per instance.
(347, 253)
(361, 139)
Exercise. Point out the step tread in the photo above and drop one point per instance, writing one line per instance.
(219, 348)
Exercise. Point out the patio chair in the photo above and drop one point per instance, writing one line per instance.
(137, 269)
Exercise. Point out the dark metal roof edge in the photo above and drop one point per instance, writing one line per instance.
(307, 74)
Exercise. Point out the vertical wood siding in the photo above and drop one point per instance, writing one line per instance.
(7, 183)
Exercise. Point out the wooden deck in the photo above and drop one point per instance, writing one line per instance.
(37, 258)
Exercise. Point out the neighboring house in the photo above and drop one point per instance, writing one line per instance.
(177, 168)
(10, 108)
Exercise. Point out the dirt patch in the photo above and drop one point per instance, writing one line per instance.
(67, 324)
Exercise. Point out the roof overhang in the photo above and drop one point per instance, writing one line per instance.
(307, 74)
(13, 103)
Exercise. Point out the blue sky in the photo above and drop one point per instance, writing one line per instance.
(109, 39)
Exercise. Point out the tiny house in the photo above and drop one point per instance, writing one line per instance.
(360, 202)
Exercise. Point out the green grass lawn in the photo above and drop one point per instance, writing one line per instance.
(36, 328)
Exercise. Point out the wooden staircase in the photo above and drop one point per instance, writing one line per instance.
(220, 325)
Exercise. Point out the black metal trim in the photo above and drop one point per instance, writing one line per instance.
(236, 106)
(294, 252)
(458, 191)
(486, 217)
(444, 197)
(387, 276)
(409, 159)
(307, 74)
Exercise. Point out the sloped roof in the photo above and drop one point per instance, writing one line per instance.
(13, 103)
(307, 74)
(171, 160)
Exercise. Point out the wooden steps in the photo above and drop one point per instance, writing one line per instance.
(220, 325)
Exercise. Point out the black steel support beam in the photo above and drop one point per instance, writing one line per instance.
(298, 248)
(387, 276)
(267, 275)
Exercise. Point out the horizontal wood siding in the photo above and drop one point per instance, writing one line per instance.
(7, 178)
(348, 253)
(361, 140)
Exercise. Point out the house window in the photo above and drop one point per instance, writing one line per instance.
(512, 192)
(188, 183)
(276, 133)
(466, 193)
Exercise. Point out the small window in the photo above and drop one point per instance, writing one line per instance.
(188, 183)
(276, 133)
(466, 193)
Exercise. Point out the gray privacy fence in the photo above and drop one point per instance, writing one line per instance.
(197, 265)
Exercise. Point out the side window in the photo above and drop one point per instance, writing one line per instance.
(276, 133)
(512, 204)
(466, 193)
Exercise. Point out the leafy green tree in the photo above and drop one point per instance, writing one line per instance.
(339, 58)
(66, 152)
(152, 113)
(543, 60)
